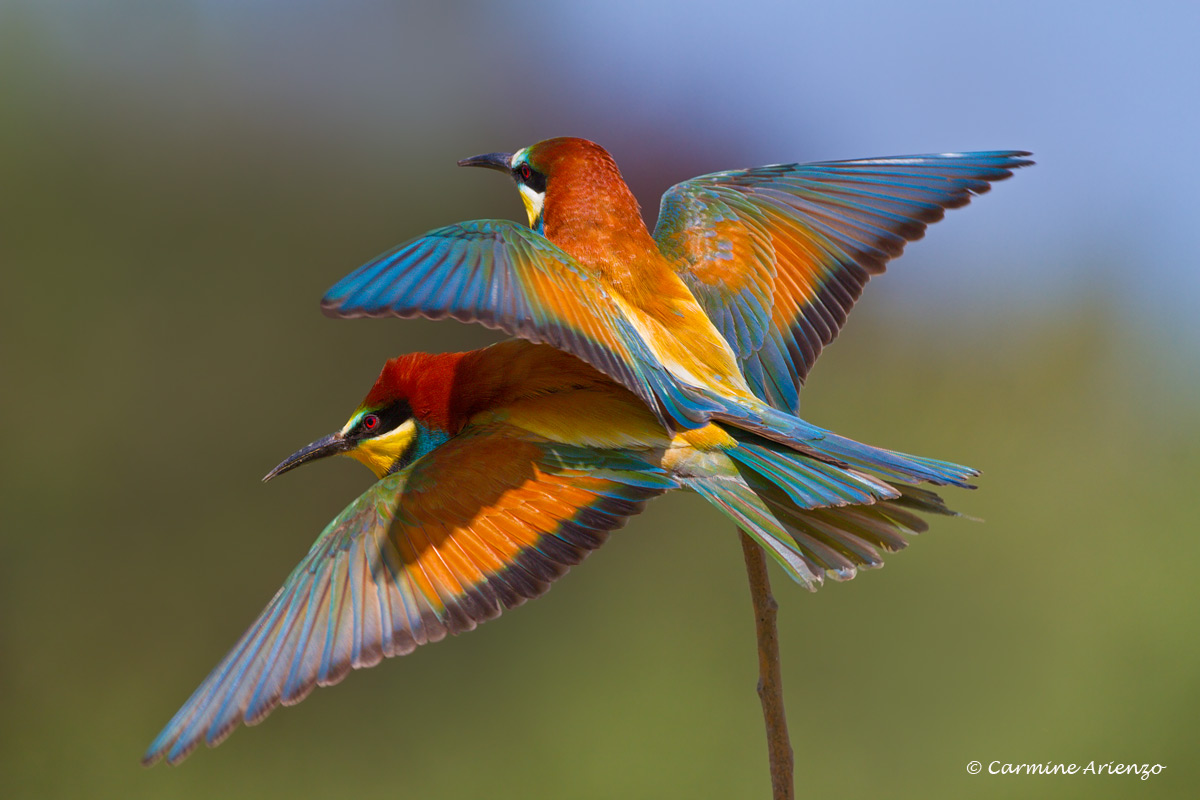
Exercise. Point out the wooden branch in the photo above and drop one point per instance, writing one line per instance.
(770, 683)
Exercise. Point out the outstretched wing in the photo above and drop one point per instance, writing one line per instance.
(506, 276)
(778, 255)
(481, 525)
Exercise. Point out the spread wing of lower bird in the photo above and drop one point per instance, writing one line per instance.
(485, 524)
(778, 255)
(506, 276)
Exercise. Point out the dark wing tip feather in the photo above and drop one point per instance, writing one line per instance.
(333, 308)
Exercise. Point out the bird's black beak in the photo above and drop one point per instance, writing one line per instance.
(331, 445)
(500, 161)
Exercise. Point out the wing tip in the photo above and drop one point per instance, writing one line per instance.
(169, 752)
(332, 307)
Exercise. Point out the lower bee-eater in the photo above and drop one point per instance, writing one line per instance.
(497, 470)
(720, 313)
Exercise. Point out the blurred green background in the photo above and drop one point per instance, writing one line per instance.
(179, 183)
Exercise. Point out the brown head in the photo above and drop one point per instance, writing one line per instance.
(418, 402)
(567, 183)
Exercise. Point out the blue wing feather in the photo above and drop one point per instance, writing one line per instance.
(507, 276)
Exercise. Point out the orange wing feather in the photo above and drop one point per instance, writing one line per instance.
(486, 522)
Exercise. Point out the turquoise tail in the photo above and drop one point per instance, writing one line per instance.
(781, 427)
(814, 518)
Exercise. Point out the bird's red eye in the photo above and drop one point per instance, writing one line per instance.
(370, 422)
(524, 172)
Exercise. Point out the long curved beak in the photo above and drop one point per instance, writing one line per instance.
(500, 161)
(331, 445)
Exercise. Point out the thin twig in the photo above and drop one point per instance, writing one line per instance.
(770, 683)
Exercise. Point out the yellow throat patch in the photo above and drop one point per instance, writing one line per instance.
(380, 452)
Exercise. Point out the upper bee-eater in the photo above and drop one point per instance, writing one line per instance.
(720, 313)
(497, 470)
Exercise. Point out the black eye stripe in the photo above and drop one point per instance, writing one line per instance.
(527, 175)
(385, 419)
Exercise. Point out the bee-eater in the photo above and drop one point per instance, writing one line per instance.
(720, 313)
(497, 470)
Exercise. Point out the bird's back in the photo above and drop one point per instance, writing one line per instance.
(542, 391)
